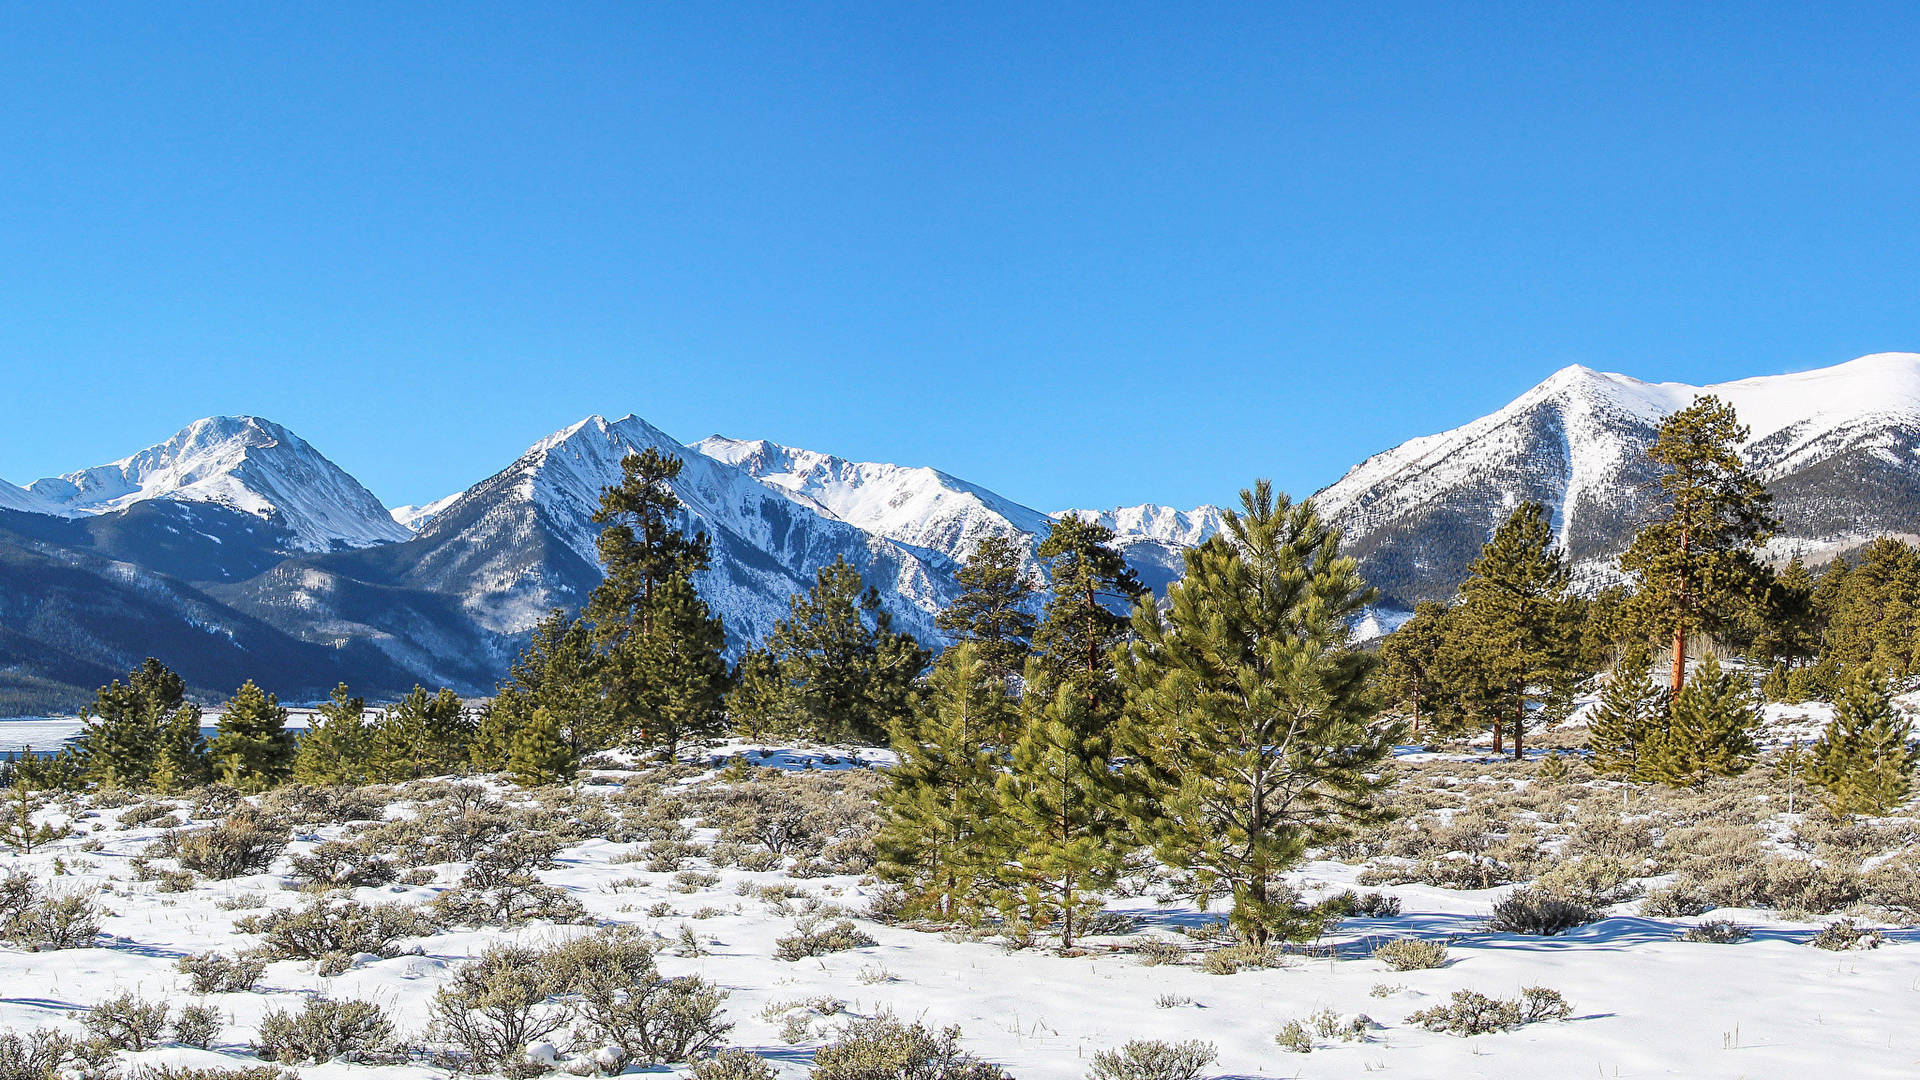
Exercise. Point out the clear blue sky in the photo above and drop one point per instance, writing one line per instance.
(1083, 254)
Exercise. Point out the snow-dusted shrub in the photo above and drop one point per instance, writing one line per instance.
(324, 1029)
(1674, 902)
(1470, 1012)
(242, 844)
(498, 1003)
(46, 1054)
(885, 1048)
(1775, 881)
(1294, 1038)
(217, 973)
(197, 1025)
(1596, 880)
(619, 998)
(809, 940)
(1367, 905)
(1412, 954)
(185, 1072)
(126, 1022)
(733, 1065)
(1612, 836)
(67, 921)
(1533, 910)
(509, 904)
(1153, 1059)
(343, 864)
(1233, 959)
(1842, 935)
(326, 927)
(158, 815)
(1716, 932)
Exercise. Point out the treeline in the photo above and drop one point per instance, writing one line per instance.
(1517, 644)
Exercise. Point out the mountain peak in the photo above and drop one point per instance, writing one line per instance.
(244, 463)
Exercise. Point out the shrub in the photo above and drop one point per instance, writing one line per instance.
(341, 926)
(498, 1003)
(1234, 959)
(216, 973)
(55, 922)
(733, 1065)
(1842, 935)
(1294, 1038)
(1593, 879)
(1533, 910)
(621, 1000)
(1152, 1059)
(243, 844)
(126, 1022)
(1716, 932)
(1369, 905)
(1674, 902)
(323, 1030)
(884, 1048)
(807, 941)
(184, 1072)
(1412, 954)
(197, 1025)
(339, 864)
(1473, 1013)
(46, 1054)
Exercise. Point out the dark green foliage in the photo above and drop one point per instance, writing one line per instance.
(143, 734)
(252, 748)
(1087, 580)
(553, 673)
(991, 610)
(1709, 731)
(1410, 660)
(1863, 762)
(1695, 563)
(1247, 708)
(1514, 643)
(338, 749)
(420, 735)
(941, 793)
(1630, 715)
(1871, 609)
(538, 751)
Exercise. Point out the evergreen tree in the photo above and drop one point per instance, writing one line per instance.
(941, 793)
(1782, 626)
(1630, 715)
(1863, 762)
(338, 749)
(554, 672)
(538, 752)
(421, 735)
(661, 675)
(1057, 811)
(991, 610)
(1410, 661)
(1513, 608)
(1709, 732)
(252, 747)
(1873, 610)
(1079, 629)
(1695, 562)
(1247, 707)
(850, 673)
(762, 703)
(140, 728)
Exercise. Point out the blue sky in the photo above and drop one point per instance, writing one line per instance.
(1083, 254)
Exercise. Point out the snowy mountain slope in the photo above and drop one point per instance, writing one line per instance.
(1154, 538)
(1837, 446)
(19, 498)
(914, 505)
(415, 518)
(242, 463)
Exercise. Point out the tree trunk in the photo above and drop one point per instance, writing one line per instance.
(1519, 727)
(1679, 677)
(1496, 735)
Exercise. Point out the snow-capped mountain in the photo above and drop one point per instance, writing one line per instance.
(1836, 446)
(914, 505)
(1155, 538)
(13, 497)
(415, 518)
(240, 463)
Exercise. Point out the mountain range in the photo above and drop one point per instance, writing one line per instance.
(236, 549)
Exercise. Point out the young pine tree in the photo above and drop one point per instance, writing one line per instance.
(1409, 670)
(421, 735)
(141, 728)
(680, 666)
(1709, 731)
(940, 796)
(537, 752)
(1630, 715)
(850, 673)
(1079, 629)
(991, 610)
(1513, 606)
(1695, 562)
(339, 747)
(761, 704)
(1247, 707)
(1061, 836)
(556, 672)
(252, 748)
(1863, 762)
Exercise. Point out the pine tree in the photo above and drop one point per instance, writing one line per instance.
(555, 672)
(538, 753)
(1057, 811)
(1783, 627)
(1709, 732)
(1079, 629)
(850, 673)
(761, 703)
(18, 830)
(338, 749)
(420, 735)
(252, 747)
(1873, 609)
(134, 729)
(1409, 669)
(992, 608)
(1630, 714)
(1863, 762)
(1247, 707)
(941, 793)
(661, 675)
(1695, 562)
(1513, 608)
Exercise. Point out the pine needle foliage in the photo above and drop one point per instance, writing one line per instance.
(1631, 713)
(1247, 707)
(992, 610)
(1710, 730)
(1513, 612)
(1863, 763)
(251, 747)
(143, 733)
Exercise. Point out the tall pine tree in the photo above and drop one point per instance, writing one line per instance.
(251, 747)
(338, 749)
(992, 608)
(1696, 561)
(850, 674)
(1513, 609)
(1248, 711)
(421, 735)
(143, 732)
(1409, 669)
(554, 672)
(1079, 629)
